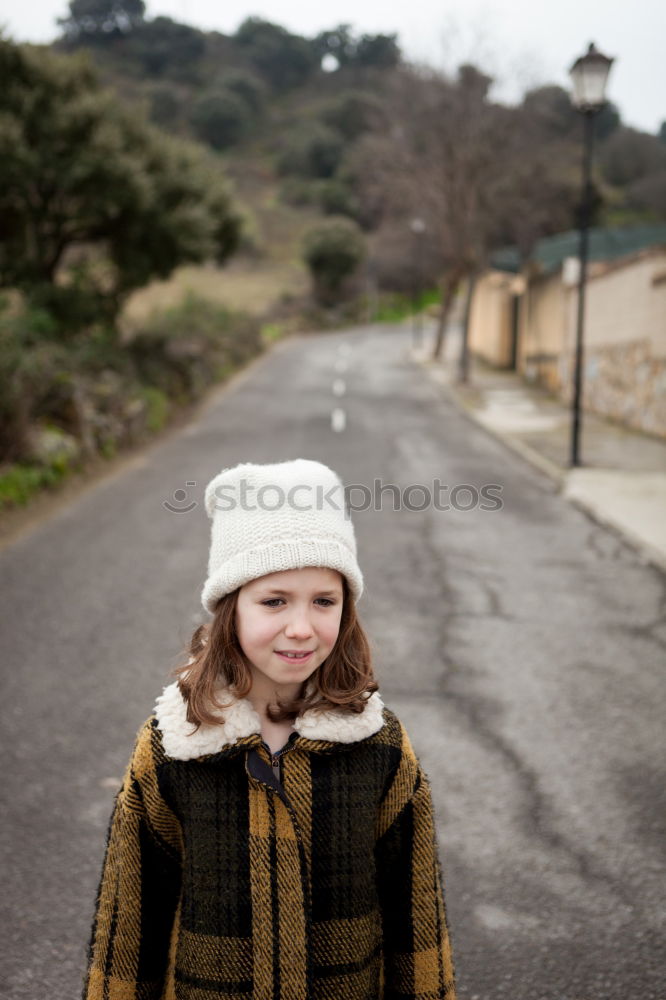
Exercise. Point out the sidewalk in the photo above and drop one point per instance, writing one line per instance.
(622, 482)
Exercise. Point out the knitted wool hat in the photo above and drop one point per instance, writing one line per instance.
(268, 518)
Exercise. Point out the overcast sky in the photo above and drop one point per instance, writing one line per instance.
(522, 43)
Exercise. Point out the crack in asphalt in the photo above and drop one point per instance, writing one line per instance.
(538, 815)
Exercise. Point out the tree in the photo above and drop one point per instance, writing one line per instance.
(469, 168)
(335, 197)
(552, 111)
(246, 85)
(81, 176)
(553, 114)
(283, 59)
(607, 121)
(353, 112)
(311, 150)
(629, 155)
(435, 163)
(381, 51)
(377, 50)
(647, 196)
(333, 250)
(165, 103)
(220, 118)
(338, 42)
(165, 47)
(89, 20)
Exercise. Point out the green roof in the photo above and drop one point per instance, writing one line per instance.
(604, 244)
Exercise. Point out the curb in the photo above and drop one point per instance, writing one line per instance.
(647, 554)
(544, 465)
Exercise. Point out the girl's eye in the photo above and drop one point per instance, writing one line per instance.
(269, 602)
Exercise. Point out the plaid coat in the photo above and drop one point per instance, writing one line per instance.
(221, 881)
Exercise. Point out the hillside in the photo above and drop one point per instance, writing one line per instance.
(308, 127)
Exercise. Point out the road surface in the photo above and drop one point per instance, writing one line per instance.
(522, 645)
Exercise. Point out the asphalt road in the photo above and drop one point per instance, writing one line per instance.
(522, 646)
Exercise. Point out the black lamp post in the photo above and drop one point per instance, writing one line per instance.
(588, 74)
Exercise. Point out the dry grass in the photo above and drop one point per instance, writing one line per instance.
(255, 280)
(243, 284)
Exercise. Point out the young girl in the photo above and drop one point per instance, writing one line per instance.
(273, 837)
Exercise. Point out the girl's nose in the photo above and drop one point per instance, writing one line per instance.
(299, 627)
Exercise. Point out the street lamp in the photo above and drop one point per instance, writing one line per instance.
(589, 74)
(417, 227)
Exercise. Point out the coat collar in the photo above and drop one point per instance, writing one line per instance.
(241, 721)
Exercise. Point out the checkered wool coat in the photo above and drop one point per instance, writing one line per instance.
(221, 881)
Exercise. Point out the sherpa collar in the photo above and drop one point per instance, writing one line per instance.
(242, 720)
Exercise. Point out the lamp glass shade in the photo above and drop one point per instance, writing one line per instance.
(589, 74)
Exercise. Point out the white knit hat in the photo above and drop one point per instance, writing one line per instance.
(268, 518)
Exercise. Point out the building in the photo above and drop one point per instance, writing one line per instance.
(523, 317)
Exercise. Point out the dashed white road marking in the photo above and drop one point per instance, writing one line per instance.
(341, 365)
(338, 419)
(339, 387)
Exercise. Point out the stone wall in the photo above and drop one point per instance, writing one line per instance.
(625, 382)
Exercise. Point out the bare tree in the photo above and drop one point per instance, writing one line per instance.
(470, 168)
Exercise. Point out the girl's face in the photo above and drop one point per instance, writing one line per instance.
(297, 610)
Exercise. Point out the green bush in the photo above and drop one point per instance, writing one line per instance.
(63, 403)
(182, 350)
(395, 306)
(377, 50)
(283, 59)
(220, 118)
(157, 411)
(271, 332)
(311, 150)
(351, 113)
(335, 197)
(165, 47)
(19, 482)
(333, 250)
(247, 86)
(29, 361)
(165, 104)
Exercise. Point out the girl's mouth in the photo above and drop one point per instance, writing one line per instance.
(295, 659)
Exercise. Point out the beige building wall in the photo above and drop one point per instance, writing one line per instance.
(626, 301)
(624, 374)
(543, 330)
(624, 342)
(490, 318)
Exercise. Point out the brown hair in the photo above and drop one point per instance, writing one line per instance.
(215, 656)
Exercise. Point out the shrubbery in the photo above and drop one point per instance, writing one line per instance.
(352, 113)
(247, 86)
(333, 251)
(64, 405)
(220, 118)
(311, 150)
(284, 60)
(184, 349)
